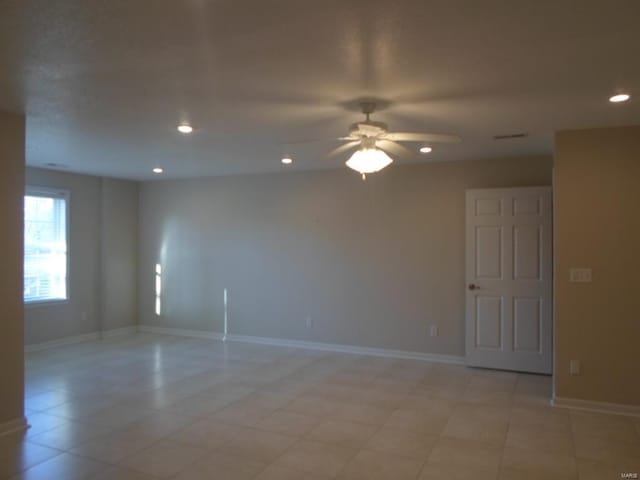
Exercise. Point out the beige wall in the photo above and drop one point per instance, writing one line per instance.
(597, 176)
(102, 223)
(12, 149)
(119, 253)
(371, 263)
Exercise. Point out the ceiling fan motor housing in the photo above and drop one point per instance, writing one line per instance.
(368, 129)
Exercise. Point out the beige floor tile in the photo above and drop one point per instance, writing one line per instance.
(488, 396)
(288, 423)
(342, 432)
(316, 457)
(605, 450)
(65, 466)
(113, 447)
(69, 435)
(207, 433)
(198, 405)
(538, 463)
(159, 424)
(164, 459)
(394, 385)
(442, 374)
(401, 442)
(592, 470)
(454, 451)
(120, 473)
(240, 413)
(42, 422)
(45, 400)
(537, 385)
(534, 401)
(444, 392)
(314, 406)
(258, 445)
(269, 400)
(370, 465)
(541, 418)
(382, 399)
(17, 455)
(274, 472)
(118, 415)
(425, 402)
(82, 407)
(441, 471)
(202, 394)
(617, 428)
(508, 473)
(223, 467)
(540, 440)
(482, 381)
(480, 423)
(336, 393)
(418, 421)
(361, 413)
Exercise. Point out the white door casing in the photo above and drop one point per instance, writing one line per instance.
(509, 279)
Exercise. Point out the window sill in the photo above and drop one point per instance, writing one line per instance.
(45, 303)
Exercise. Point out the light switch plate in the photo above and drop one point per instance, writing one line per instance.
(580, 275)
(574, 367)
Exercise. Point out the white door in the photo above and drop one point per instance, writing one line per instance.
(509, 279)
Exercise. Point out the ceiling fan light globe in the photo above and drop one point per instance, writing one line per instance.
(369, 160)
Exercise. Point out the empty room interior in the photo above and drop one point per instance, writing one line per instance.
(291, 240)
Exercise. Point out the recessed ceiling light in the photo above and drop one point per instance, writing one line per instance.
(158, 170)
(287, 160)
(620, 97)
(185, 128)
(426, 150)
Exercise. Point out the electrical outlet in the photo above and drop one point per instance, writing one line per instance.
(433, 331)
(309, 322)
(580, 275)
(574, 367)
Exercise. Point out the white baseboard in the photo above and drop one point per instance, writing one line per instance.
(59, 342)
(116, 332)
(278, 342)
(180, 332)
(326, 347)
(86, 337)
(13, 426)
(599, 407)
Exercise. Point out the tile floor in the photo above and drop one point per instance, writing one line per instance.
(147, 407)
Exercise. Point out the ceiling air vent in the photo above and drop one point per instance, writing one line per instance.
(510, 136)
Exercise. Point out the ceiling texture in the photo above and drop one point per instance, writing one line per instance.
(105, 83)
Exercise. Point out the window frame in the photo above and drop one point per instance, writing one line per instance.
(52, 192)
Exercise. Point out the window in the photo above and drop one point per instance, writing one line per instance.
(45, 245)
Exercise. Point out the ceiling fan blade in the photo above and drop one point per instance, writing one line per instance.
(394, 148)
(343, 148)
(423, 137)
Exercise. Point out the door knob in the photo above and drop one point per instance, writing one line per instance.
(473, 287)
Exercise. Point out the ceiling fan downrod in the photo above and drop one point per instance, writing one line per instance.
(368, 108)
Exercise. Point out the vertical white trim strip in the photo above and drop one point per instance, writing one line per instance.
(226, 316)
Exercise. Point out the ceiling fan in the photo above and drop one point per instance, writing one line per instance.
(374, 142)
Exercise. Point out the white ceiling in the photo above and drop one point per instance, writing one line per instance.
(104, 83)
